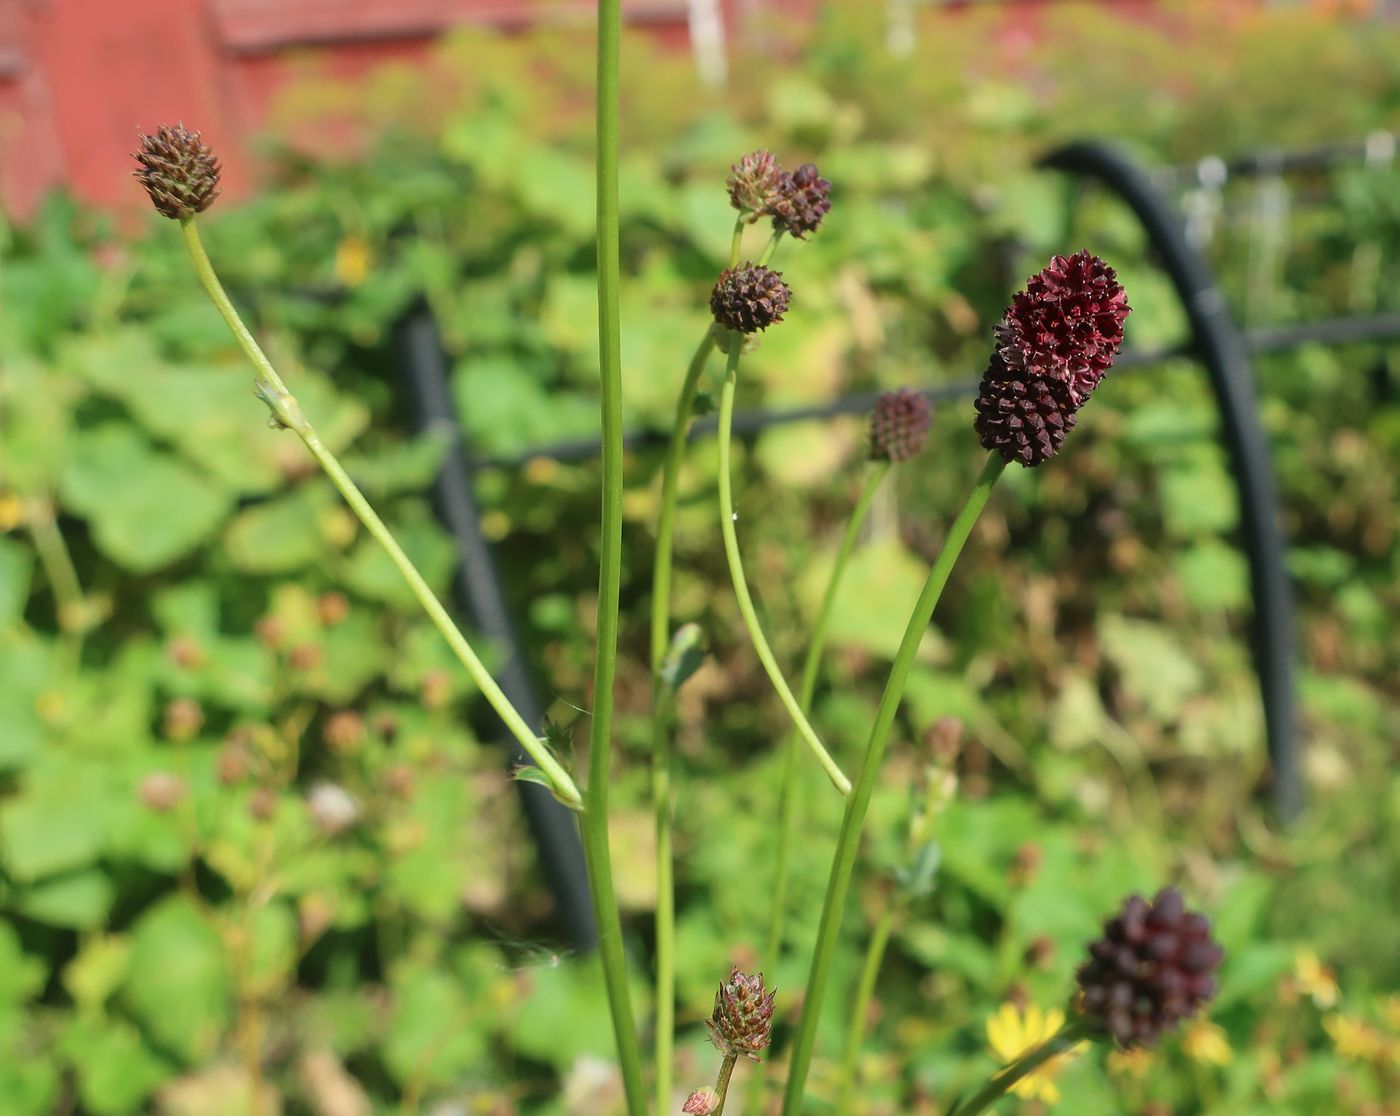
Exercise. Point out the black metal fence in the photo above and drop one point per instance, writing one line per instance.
(1215, 341)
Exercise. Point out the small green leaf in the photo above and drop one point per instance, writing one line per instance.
(683, 658)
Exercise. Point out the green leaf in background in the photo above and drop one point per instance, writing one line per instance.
(281, 535)
(116, 1070)
(1214, 576)
(146, 508)
(58, 820)
(431, 1039)
(77, 900)
(98, 970)
(16, 562)
(1156, 670)
(21, 975)
(179, 983)
(29, 666)
(880, 585)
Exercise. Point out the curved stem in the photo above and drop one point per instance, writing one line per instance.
(1064, 1040)
(594, 823)
(848, 843)
(662, 716)
(286, 412)
(865, 990)
(811, 671)
(741, 588)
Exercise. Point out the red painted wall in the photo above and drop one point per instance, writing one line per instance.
(81, 79)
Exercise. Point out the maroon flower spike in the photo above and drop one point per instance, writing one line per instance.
(755, 184)
(1054, 345)
(179, 172)
(749, 298)
(1024, 418)
(742, 1022)
(899, 425)
(804, 198)
(1066, 324)
(1153, 967)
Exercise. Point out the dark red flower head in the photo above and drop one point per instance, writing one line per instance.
(804, 198)
(1066, 324)
(179, 172)
(1057, 340)
(899, 425)
(1153, 967)
(749, 298)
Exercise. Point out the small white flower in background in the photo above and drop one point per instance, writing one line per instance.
(333, 808)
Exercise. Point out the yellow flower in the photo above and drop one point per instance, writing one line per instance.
(1316, 980)
(1135, 1063)
(1012, 1033)
(352, 260)
(11, 512)
(1353, 1038)
(1205, 1042)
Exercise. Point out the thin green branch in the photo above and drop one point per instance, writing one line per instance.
(741, 588)
(726, 1068)
(287, 412)
(860, 1009)
(1066, 1039)
(857, 805)
(662, 718)
(594, 823)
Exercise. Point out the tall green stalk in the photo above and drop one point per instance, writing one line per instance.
(662, 718)
(287, 412)
(857, 805)
(741, 588)
(594, 822)
(860, 1009)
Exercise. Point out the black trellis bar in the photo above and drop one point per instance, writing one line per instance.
(1215, 340)
(1220, 345)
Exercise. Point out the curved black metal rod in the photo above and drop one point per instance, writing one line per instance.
(1221, 347)
(477, 587)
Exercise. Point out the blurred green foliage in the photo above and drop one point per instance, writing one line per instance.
(247, 821)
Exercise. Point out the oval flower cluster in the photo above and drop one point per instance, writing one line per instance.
(1056, 342)
(797, 202)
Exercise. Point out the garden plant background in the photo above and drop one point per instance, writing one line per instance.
(245, 817)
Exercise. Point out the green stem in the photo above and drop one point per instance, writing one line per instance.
(726, 1068)
(811, 671)
(595, 818)
(865, 990)
(848, 843)
(662, 716)
(736, 242)
(70, 610)
(741, 588)
(1064, 1040)
(772, 246)
(286, 412)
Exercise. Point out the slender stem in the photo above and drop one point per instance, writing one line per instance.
(848, 843)
(736, 242)
(741, 588)
(662, 716)
(789, 784)
(772, 246)
(726, 1068)
(594, 822)
(865, 990)
(58, 564)
(288, 413)
(1064, 1040)
(811, 671)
